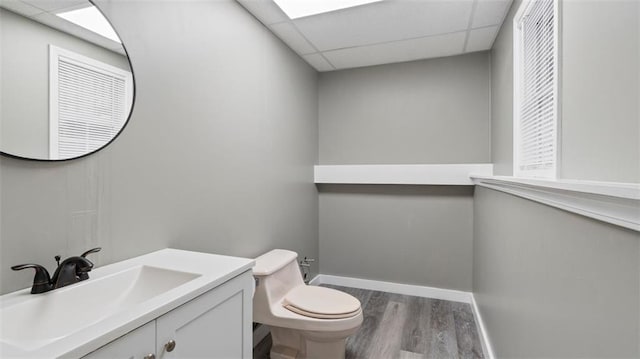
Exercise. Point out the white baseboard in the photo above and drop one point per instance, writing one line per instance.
(406, 289)
(315, 280)
(486, 344)
(260, 333)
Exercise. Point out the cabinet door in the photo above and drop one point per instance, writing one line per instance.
(216, 324)
(137, 344)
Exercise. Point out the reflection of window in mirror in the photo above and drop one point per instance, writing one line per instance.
(89, 102)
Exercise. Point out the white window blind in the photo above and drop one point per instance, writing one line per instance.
(89, 103)
(536, 89)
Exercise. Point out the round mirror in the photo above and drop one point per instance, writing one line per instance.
(66, 83)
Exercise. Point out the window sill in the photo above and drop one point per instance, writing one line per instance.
(610, 202)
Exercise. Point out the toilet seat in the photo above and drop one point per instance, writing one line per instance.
(321, 303)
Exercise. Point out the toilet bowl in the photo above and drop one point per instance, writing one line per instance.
(305, 321)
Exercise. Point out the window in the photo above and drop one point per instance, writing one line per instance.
(536, 89)
(88, 103)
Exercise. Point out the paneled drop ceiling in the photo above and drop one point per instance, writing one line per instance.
(44, 12)
(387, 31)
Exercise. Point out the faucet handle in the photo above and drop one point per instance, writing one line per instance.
(41, 280)
(82, 274)
(92, 250)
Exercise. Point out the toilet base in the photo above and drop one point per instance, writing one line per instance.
(296, 344)
(282, 352)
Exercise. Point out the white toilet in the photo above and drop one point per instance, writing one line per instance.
(305, 321)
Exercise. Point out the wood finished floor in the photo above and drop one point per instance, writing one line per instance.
(399, 326)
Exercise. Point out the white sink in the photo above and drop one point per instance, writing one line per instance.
(75, 320)
(56, 314)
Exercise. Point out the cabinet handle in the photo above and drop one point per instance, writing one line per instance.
(150, 356)
(171, 344)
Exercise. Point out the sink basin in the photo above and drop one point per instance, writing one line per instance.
(75, 320)
(44, 318)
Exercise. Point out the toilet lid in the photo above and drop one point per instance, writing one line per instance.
(321, 302)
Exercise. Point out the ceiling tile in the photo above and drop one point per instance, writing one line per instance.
(288, 33)
(385, 32)
(384, 21)
(399, 51)
(265, 10)
(489, 12)
(318, 62)
(481, 39)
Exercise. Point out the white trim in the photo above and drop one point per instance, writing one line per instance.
(53, 102)
(389, 287)
(517, 75)
(432, 174)
(610, 202)
(484, 335)
(612, 189)
(315, 280)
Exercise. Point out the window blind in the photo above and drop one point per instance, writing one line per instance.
(91, 106)
(537, 103)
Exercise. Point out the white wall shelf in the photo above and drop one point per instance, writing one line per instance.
(433, 174)
(611, 202)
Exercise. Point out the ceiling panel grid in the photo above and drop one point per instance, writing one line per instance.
(386, 31)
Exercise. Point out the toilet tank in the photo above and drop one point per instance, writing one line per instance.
(276, 272)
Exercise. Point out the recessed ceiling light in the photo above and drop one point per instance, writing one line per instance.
(300, 8)
(91, 19)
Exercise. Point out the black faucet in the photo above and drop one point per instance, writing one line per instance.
(71, 270)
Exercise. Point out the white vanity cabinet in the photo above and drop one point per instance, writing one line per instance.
(137, 344)
(216, 324)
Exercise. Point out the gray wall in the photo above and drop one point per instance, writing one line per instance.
(24, 70)
(403, 234)
(549, 283)
(431, 111)
(601, 90)
(552, 284)
(217, 156)
(502, 97)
